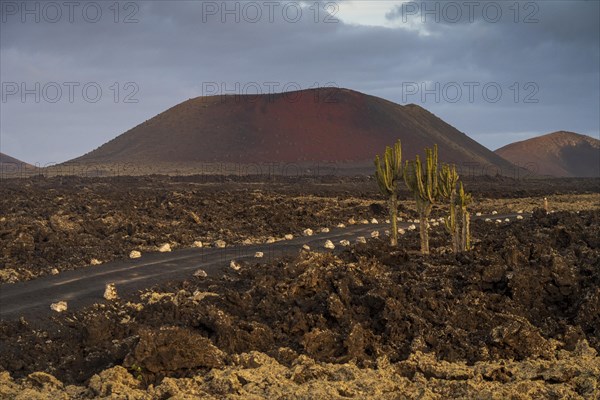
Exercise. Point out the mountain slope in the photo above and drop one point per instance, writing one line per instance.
(561, 154)
(6, 159)
(319, 125)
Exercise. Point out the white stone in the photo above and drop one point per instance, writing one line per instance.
(401, 231)
(234, 265)
(494, 212)
(247, 242)
(521, 212)
(199, 296)
(59, 306)
(506, 220)
(344, 242)
(432, 220)
(95, 261)
(364, 221)
(387, 221)
(410, 221)
(498, 221)
(197, 243)
(399, 219)
(220, 243)
(416, 221)
(329, 245)
(307, 232)
(289, 236)
(165, 248)
(341, 225)
(374, 221)
(325, 230)
(270, 240)
(435, 223)
(488, 220)
(519, 217)
(306, 247)
(110, 291)
(375, 234)
(412, 227)
(54, 271)
(351, 221)
(478, 214)
(361, 239)
(135, 254)
(259, 254)
(200, 273)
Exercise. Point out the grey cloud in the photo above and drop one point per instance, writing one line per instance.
(171, 52)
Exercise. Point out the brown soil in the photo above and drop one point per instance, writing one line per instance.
(64, 222)
(514, 317)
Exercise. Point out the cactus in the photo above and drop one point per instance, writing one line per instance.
(422, 180)
(463, 200)
(448, 180)
(388, 171)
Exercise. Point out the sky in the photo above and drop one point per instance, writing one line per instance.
(76, 74)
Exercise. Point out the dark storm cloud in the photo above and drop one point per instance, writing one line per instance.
(178, 50)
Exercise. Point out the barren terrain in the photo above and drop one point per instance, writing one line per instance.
(517, 317)
(64, 223)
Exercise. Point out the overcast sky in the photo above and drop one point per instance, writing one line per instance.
(496, 71)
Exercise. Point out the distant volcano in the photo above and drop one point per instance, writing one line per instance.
(6, 159)
(560, 154)
(317, 125)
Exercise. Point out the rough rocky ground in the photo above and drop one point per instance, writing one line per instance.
(255, 375)
(48, 225)
(65, 224)
(518, 317)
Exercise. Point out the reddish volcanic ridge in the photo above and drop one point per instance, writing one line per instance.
(560, 154)
(318, 125)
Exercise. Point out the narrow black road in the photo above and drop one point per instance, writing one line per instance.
(85, 286)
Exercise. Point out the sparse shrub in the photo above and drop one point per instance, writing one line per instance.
(422, 181)
(464, 200)
(448, 181)
(388, 171)
(458, 220)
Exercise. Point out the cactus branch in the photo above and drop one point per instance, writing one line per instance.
(422, 181)
(388, 171)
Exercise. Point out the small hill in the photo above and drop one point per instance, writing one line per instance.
(11, 167)
(7, 160)
(560, 154)
(326, 125)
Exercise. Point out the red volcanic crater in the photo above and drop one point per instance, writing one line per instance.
(561, 154)
(318, 125)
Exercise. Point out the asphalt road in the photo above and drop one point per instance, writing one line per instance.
(85, 286)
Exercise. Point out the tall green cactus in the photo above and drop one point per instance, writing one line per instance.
(448, 181)
(388, 171)
(422, 180)
(463, 201)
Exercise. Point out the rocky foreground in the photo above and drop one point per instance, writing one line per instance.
(255, 375)
(518, 317)
(49, 225)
